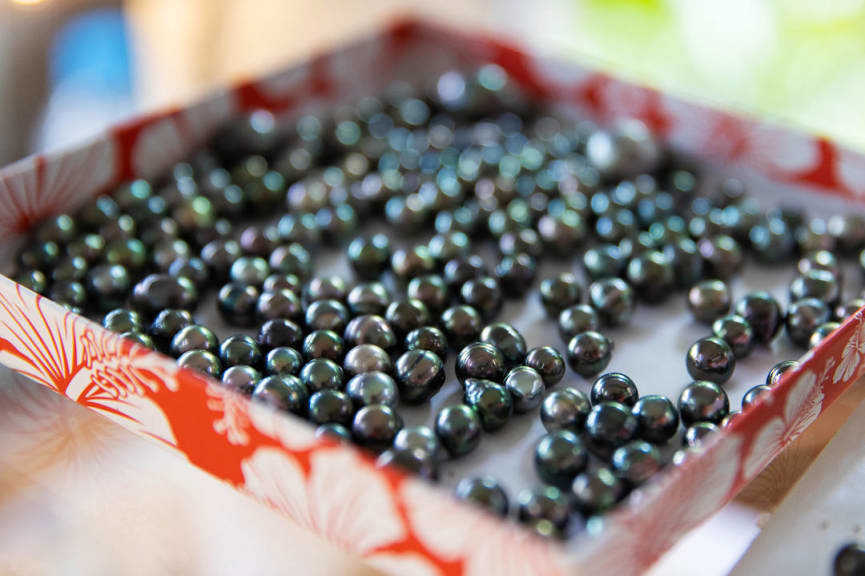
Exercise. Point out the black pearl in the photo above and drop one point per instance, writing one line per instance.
(686, 261)
(323, 344)
(34, 280)
(652, 276)
(41, 256)
(70, 294)
(192, 268)
(459, 429)
(709, 300)
(428, 338)
(122, 320)
(73, 268)
(703, 401)
(168, 250)
(613, 300)
(577, 319)
(589, 353)
(562, 232)
(166, 324)
(236, 304)
(507, 340)
(283, 392)
(157, 292)
(628, 149)
(480, 360)
(803, 317)
(849, 560)
(429, 289)
(375, 426)
(333, 432)
(596, 491)
(772, 241)
(819, 284)
(763, 314)
(548, 362)
(526, 388)
(369, 388)
(291, 259)
(657, 418)
(722, 254)
(416, 449)
(322, 374)
(369, 298)
(608, 426)
(242, 379)
(736, 332)
(483, 294)
(278, 333)
(754, 393)
(490, 400)
(730, 418)
(140, 339)
(485, 492)
(330, 407)
(193, 337)
(559, 457)
(324, 288)
(219, 255)
(108, 285)
(278, 304)
(820, 260)
(844, 311)
(327, 315)
(129, 252)
(201, 361)
(408, 263)
(369, 257)
(449, 245)
(370, 329)
(458, 271)
(545, 509)
(710, 359)
(406, 315)
(604, 261)
(516, 274)
(462, 325)
(282, 361)
(239, 350)
(523, 241)
(636, 462)
(848, 231)
(822, 332)
(560, 292)
(565, 409)
(60, 229)
(366, 358)
(697, 433)
(614, 387)
(778, 370)
(419, 375)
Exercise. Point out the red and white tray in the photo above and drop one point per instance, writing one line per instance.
(397, 523)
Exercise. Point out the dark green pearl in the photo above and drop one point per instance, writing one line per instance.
(526, 388)
(491, 401)
(703, 402)
(283, 361)
(369, 257)
(239, 350)
(589, 353)
(596, 491)
(33, 280)
(375, 426)
(129, 252)
(565, 409)
(236, 304)
(322, 374)
(193, 337)
(140, 339)
(485, 492)
(548, 362)
(201, 361)
(330, 407)
(108, 285)
(372, 388)
(250, 271)
(459, 429)
(547, 505)
(241, 378)
(73, 268)
(123, 320)
(636, 462)
(427, 338)
(166, 324)
(657, 418)
(284, 392)
(70, 294)
(323, 344)
(559, 457)
(419, 375)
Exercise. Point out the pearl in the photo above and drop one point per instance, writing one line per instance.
(370, 329)
(122, 320)
(526, 387)
(763, 314)
(822, 332)
(236, 304)
(695, 434)
(326, 315)
(242, 379)
(324, 288)
(372, 388)
(278, 333)
(736, 332)
(220, 255)
(429, 289)
(516, 274)
(480, 360)
(375, 426)
(596, 491)
(820, 260)
(565, 409)
(548, 362)
(369, 298)
(636, 462)
(283, 361)
(140, 339)
(462, 325)
(291, 259)
(483, 294)
(722, 254)
(608, 426)
(577, 319)
(753, 394)
(709, 300)
(419, 375)
(333, 432)
(485, 492)
(544, 504)
(604, 261)
(703, 402)
(772, 241)
(284, 392)
(710, 359)
(778, 370)
(803, 317)
(686, 261)
(329, 406)
(201, 361)
(322, 374)
(416, 449)
(107, 285)
(193, 337)
(657, 418)
(427, 338)
(459, 429)
(844, 311)
(408, 263)
(366, 358)
(652, 276)
(559, 457)
(614, 387)
(589, 353)
(406, 315)
(278, 304)
(819, 284)
(560, 292)
(613, 300)
(237, 350)
(507, 340)
(490, 400)
(849, 560)
(458, 271)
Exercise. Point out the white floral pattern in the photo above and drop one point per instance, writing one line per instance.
(234, 421)
(851, 356)
(294, 434)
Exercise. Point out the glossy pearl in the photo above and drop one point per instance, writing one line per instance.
(613, 300)
(686, 261)
(459, 429)
(516, 274)
(140, 339)
(375, 426)
(490, 400)
(772, 241)
(559, 457)
(193, 337)
(236, 350)
(697, 433)
(778, 370)
(820, 260)
(201, 361)
(636, 462)
(242, 379)
(324, 288)
(220, 255)
(334, 432)
(34, 280)
(369, 257)
(283, 392)
(372, 388)
(458, 271)
(462, 325)
(819, 284)
(657, 418)
(483, 294)
(416, 449)
(326, 315)
(710, 359)
(703, 402)
(722, 255)
(370, 329)
(709, 300)
(562, 232)
(409, 263)
(844, 311)
(485, 492)
(323, 344)
(291, 259)
(545, 504)
(108, 285)
(236, 304)
(419, 375)
(608, 426)
(604, 261)
(596, 491)
(283, 361)
(278, 304)
(754, 393)
(652, 276)
(330, 407)
(736, 332)
(431, 290)
(507, 340)
(614, 387)
(279, 333)
(803, 317)
(565, 409)
(763, 314)
(122, 320)
(822, 332)
(589, 353)
(406, 315)
(849, 560)
(560, 292)
(526, 388)
(577, 319)
(366, 358)
(369, 298)
(548, 362)
(480, 360)
(428, 338)
(322, 374)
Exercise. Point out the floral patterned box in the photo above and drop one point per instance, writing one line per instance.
(398, 524)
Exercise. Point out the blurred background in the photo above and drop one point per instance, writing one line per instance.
(70, 67)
